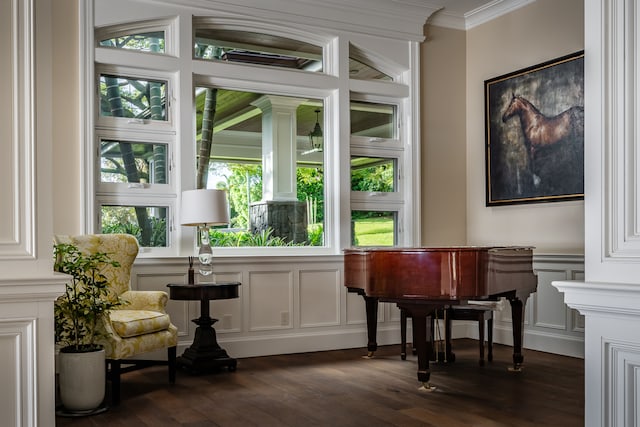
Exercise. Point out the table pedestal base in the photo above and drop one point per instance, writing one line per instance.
(205, 355)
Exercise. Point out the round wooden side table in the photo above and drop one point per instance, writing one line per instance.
(204, 354)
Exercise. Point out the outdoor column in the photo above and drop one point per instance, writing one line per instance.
(279, 209)
(278, 146)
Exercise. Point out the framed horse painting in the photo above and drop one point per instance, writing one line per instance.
(534, 121)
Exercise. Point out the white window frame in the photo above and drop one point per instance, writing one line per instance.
(133, 200)
(332, 85)
(167, 25)
(167, 125)
(137, 137)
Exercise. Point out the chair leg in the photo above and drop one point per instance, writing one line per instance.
(171, 359)
(490, 336)
(434, 348)
(448, 328)
(403, 334)
(115, 382)
(481, 335)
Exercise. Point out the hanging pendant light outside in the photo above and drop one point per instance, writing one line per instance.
(315, 136)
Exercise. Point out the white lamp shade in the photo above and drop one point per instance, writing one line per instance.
(204, 207)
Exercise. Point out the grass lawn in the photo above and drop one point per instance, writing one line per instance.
(374, 232)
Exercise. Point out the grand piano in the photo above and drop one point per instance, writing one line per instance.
(424, 279)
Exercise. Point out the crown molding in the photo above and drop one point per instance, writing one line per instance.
(399, 19)
(485, 13)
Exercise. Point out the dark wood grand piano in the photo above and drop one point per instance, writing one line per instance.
(421, 280)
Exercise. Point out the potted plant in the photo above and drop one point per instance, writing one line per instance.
(78, 313)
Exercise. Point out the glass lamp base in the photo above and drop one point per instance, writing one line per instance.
(205, 257)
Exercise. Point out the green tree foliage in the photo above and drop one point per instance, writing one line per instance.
(245, 238)
(144, 42)
(375, 178)
(244, 186)
(124, 219)
(310, 184)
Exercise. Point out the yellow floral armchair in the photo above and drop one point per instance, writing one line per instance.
(141, 324)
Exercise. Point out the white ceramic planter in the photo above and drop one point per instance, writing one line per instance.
(82, 380)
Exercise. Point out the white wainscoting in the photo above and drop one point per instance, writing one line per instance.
(550, 325)
(27, 350)
(299, 304)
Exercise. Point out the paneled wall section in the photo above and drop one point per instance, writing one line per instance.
(291, 305)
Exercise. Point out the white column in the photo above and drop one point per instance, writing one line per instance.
(278, 147)
(28, 285)
(609, 297)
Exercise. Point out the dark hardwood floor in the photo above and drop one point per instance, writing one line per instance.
(340, 388)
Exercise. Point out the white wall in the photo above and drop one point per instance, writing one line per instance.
(609, 296)
(444, 138)
(538, 32)
(67, 182)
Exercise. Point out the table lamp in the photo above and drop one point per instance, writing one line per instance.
(204, 208)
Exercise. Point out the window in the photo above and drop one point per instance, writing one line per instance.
(373, 120)
(256, 109)
(149, 37)
(377, 198)
(147, 223)
(373, 174)
(149, 162)
(153, 41)
(133, 98)
(256, 147)
(247, 47)
(360, 67)
(373, 228)
(135, 141)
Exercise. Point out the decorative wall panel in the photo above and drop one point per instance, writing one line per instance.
(355, 310)
(17, 130)
(319, 298)
(270, 300)
(17, 372)
(622, 376)
(552, 314)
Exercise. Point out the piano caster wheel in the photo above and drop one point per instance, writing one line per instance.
(516, 368)
(369, 355)
(427, 387)
(403, 356)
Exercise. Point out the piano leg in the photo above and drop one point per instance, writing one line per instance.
(517, 318)
(371, 305)
(421, 330)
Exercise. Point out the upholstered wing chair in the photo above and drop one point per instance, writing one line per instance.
(141, 324)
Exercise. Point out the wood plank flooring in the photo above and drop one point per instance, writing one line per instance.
(340, 388)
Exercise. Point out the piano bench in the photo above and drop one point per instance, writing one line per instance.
(479, 312)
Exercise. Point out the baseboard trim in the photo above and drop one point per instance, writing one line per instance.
(266, 345)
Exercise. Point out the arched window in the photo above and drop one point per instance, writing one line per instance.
(264, 111)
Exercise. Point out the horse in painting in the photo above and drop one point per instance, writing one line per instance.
(540, 131)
